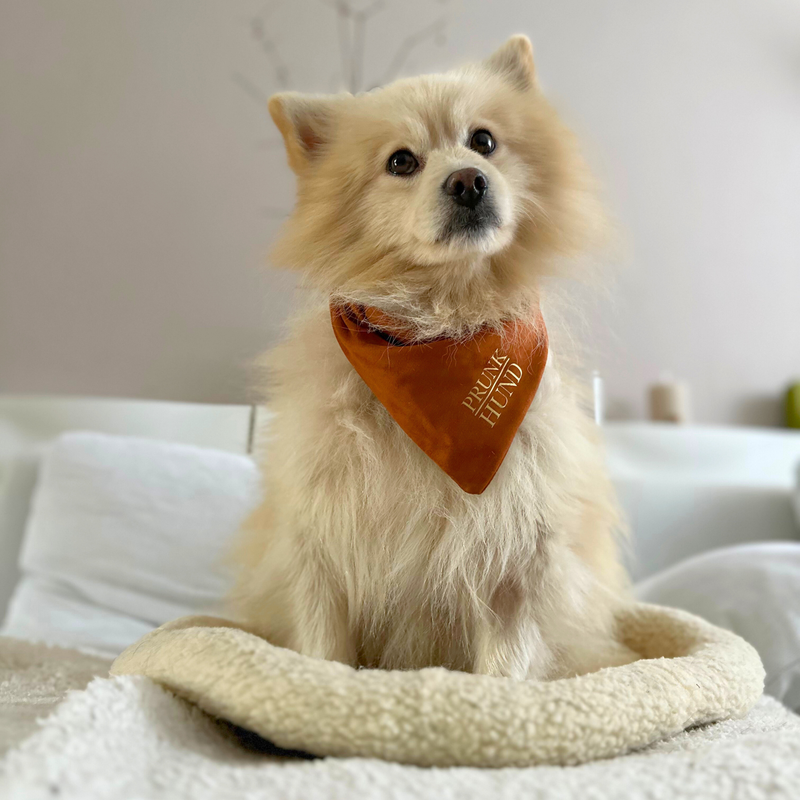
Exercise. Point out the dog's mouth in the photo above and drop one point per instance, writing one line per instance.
(470, 225)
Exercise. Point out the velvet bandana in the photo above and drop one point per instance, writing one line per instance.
(461, 401)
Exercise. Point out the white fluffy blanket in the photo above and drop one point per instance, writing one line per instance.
(129, 738)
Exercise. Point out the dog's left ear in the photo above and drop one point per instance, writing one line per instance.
(306, 122)
(514, 60)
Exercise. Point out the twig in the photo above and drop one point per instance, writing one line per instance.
(343, 14)
(270, 144)
(276, 213)
(408, 45)
(357, 55)
(253, 91)
(268, 47)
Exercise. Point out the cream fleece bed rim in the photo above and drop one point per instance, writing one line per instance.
(691, 673)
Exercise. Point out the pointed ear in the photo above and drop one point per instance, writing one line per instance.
(514, 60)
(306, 122)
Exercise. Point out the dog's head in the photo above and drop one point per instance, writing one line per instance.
(430, 181)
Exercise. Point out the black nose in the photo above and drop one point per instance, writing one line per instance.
(467, 186)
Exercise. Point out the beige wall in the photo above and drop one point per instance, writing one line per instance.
(141, 183)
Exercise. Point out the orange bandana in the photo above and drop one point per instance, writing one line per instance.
(460, 401)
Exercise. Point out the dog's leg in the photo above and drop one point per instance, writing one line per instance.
(321, 627)
(514, 650)
(508, 642)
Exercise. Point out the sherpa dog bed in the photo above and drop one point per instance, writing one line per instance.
(691, 673)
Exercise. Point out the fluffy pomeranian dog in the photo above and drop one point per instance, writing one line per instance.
(441, 201)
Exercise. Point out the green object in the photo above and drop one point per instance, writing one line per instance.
(793, 406)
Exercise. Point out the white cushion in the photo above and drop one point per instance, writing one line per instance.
(18, 469)
(45, 610)
(127, 527)
(753, 590)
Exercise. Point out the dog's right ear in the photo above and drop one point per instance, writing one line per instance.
(306, 122)
(514, 60)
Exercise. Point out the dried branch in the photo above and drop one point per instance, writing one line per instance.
(343, 15)
(433, 31)
(249, 88)
(259, 32)
(359, 29)
(270, 144)
(276, 213)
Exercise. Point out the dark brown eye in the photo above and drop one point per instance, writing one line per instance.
(482, 142)
(402, 162)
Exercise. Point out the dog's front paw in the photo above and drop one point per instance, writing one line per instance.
(519, 655)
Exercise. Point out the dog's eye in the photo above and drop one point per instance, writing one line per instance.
(402, 162)
(482, 142)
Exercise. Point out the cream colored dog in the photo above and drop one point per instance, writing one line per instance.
(364, 550)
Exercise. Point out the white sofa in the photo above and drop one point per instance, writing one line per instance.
(689, 489)
(685, 490)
